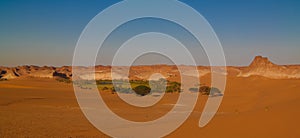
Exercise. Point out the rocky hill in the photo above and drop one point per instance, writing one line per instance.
(261, 66)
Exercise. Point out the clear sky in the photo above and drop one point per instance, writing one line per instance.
(45, 32)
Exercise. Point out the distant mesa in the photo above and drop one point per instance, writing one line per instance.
(261, 66)
(260, 61)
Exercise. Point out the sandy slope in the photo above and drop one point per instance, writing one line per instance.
(252, 107)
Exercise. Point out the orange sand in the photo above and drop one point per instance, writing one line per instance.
(251, 107)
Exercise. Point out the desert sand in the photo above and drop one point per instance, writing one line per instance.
(260, 100)
(252, 107)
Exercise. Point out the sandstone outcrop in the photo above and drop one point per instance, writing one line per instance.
(261, 66)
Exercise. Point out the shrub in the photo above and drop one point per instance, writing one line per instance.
(194, 89)
(205, 90)
(169, 89)
(64, 80)
(125, 90)
(113, 89)
(103, 82)
(173, 87)
(158, 85)
(104, 88)
(142, 90)
(215, 92)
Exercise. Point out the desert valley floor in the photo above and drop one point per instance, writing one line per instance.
(252, 107)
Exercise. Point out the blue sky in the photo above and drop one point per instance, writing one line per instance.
(45, 32)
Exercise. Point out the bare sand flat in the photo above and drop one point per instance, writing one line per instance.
(251, 107)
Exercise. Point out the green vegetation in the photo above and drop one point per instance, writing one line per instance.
(216, 92)
(104, 84)
(194, 90)
(159, 85)
(135, 83)
(122, 90)
(105, 88)
(206, 90)
(142, 90)
(173, 87)
(142, 87)
(84, 84)
(123, 86)
(64, 80)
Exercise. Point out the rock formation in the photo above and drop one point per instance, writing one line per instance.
(261, 66)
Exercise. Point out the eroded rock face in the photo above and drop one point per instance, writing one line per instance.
(262, 66)
(27, 71)
(8, 73)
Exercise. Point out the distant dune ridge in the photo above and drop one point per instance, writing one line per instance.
(261, 66)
